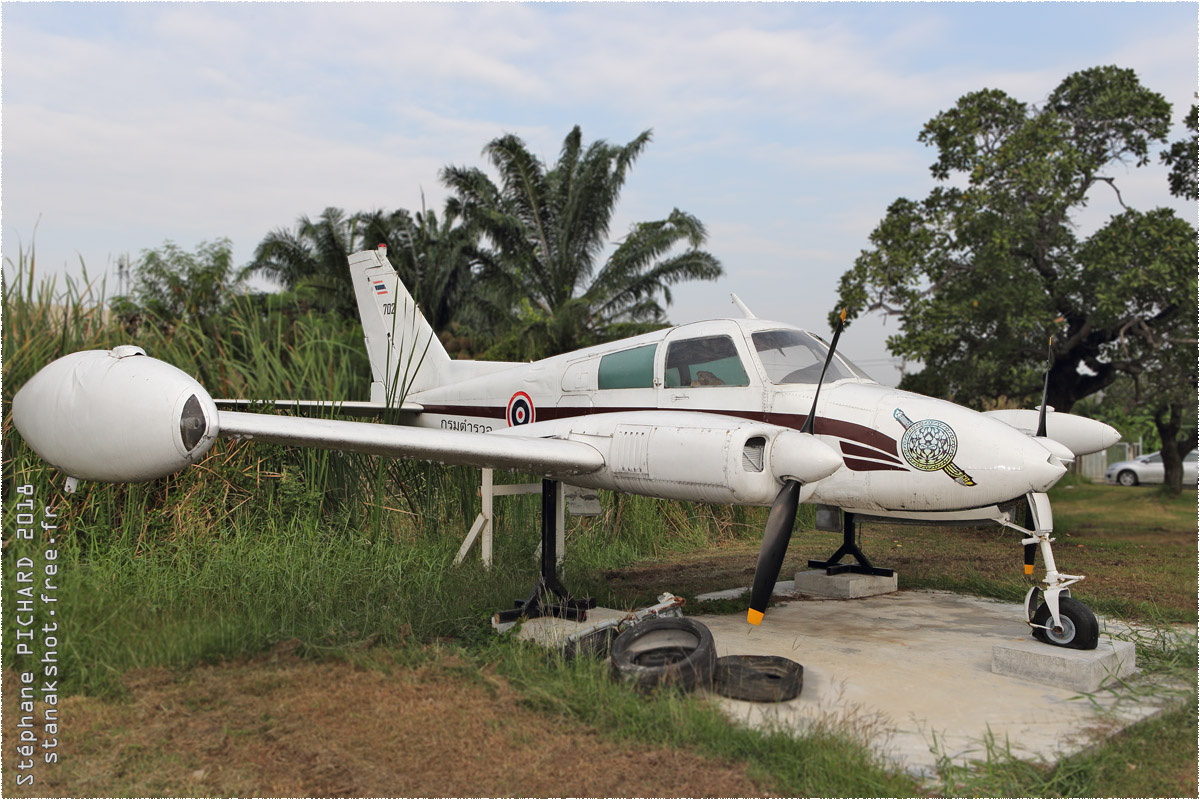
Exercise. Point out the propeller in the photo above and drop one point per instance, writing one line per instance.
(1031, 548)
(809, 423)
(774, 547)
(1041, 428)
(782, 518)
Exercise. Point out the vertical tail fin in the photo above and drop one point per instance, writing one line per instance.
(405, 354)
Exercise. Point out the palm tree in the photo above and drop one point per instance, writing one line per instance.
(433, 260)
(548, 227)
(312, 259)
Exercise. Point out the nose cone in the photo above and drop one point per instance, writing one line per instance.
(1042, 470)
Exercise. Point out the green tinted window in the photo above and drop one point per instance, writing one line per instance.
(710, 361)
(628, 369)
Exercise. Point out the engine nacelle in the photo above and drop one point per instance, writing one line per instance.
(704, 458)
(116, 416)
(1080, 435)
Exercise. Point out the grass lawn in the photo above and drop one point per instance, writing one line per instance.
(250, 663)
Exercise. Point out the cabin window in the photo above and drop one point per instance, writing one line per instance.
(708, 361)
(628, 369)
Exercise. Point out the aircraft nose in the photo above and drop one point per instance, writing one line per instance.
(1043, 469)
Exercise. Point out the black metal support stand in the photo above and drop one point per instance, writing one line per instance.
(549, 597)
(849, 548)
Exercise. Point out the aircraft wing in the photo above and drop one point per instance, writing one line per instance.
(349, 408)
(548, 457)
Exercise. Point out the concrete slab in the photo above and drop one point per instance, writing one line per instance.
(1079, 670)
(782, 589)
(845, 586)
(911, 674)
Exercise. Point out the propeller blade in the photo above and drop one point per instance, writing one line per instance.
(1041, 428)
(775, 541)
(1030, 549)
(807, 427)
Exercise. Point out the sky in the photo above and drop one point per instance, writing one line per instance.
(787, 128)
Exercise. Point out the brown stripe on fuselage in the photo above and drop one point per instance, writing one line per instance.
(858, 465)
(842, 429)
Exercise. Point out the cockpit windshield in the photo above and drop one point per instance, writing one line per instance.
(793, 356)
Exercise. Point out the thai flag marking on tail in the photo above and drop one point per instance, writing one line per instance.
(380, 287)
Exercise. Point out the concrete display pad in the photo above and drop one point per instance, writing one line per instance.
(911, 674)
(845, 586)
(1080, 670)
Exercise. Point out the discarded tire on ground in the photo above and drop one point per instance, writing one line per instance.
(667, 651)
(761, 679)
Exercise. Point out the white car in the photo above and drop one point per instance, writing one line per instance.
(1148, 469)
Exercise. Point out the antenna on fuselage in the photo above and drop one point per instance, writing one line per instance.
(746, 312)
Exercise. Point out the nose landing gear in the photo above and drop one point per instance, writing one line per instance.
(1059, 619)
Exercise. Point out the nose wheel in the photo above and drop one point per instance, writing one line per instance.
(1059, 619)
(1076, 628)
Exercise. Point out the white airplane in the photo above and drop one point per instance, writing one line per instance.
(738, 411)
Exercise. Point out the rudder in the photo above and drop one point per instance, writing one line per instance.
(405, 354)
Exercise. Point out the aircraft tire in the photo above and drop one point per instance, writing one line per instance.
(759, 679)
(1080, 629)
(665, 651)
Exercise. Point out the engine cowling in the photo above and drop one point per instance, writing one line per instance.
(693, 456)
(116, 416)
(1080, 435)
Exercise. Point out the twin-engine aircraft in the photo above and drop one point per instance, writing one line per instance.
(738, 411)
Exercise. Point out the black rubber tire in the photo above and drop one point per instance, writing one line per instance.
(665, 651)
(759, 679)
(1080, 631)
(1127, 477)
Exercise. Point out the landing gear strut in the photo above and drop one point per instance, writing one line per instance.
(549, 597)
(1059, 619)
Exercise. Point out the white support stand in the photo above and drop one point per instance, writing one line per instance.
(488, 491)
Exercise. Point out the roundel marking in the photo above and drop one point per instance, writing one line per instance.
(929, 445)
(520, 410)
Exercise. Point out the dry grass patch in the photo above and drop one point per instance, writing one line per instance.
(281, 726)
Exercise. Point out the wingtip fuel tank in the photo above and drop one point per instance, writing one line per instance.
(115, 415)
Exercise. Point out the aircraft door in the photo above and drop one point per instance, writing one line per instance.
(704, 368)
(578, 384)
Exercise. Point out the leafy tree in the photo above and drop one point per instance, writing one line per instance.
(1165, 371)
(989, 266)
(173, 287)
(311, 260)
(1182, 158)
(548, 228)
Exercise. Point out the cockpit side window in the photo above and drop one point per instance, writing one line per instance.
(706, 361)
(793, 356)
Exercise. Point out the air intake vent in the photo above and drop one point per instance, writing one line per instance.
(753, 453)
